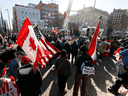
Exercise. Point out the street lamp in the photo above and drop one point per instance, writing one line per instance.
(8, 18)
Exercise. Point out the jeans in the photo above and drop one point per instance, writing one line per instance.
(78, 78)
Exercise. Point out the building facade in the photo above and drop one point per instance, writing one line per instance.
(119, 19)
(50, 14)
(30, 5)
(89, 18)
(20, 12)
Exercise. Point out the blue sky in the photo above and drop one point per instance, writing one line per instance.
(106, 5)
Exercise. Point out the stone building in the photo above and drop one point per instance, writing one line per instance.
(91, 18)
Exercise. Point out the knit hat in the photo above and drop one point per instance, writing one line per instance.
(2, 69)
(25, 59)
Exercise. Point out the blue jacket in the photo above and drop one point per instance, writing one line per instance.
(125, 57)
(13, 66)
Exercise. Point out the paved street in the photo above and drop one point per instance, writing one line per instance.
(97, 84)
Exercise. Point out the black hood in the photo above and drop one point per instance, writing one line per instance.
(25, 71)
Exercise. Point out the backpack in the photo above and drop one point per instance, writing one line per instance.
(87, 68)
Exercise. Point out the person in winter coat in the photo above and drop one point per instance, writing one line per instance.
(11, 88)
(122, 78)
(67, 47)
(101, 48)
(58, 45)
(113, 46)
(15, 63)
(63, 72)
(79, 76)
(9, 46)
(29, 83)
(74, 51)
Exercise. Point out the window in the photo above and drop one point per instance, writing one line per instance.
(50, 9)
(78, 19)
(46, 8)
(36, 13)
(43, 11)
(29, 12)
(46, 12)
(33, 13)
(53, 9)
(22, 12)
(50, 12)
(43, 16)
(26, 12)
(74, 19)
(43, 7)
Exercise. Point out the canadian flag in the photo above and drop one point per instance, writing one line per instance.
(107, 49)
(29, 43)
(92, 47)
(117, 54)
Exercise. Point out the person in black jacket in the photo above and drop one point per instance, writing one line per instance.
(67, 47)
(29, 83)
(79, 76)
(58, 45)
(74, 51)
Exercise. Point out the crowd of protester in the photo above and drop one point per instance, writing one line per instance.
(28, 83)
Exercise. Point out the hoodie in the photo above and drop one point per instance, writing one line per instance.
(29, 82)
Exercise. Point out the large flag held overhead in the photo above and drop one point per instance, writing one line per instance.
(27, 40)
(46, 45)
(92, 47)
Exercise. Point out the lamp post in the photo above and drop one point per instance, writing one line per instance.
(8, 18)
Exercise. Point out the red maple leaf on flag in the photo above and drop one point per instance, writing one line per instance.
(32, 44)
(108, 46)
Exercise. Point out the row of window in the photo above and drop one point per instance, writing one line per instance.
(46, 20)
(117, 18)
(117, 13)
(47, 12)
(115, 22)
(47, 8)
(29, 13)
(31, 18)
(48, 16)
